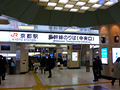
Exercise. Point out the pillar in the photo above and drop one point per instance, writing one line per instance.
(109, 32)
(23, 58)
(72, 61)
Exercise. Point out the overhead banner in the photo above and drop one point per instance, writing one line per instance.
(32, 37)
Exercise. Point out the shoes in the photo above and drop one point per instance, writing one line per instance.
(3, 79)
(49, 76)
(95, 80)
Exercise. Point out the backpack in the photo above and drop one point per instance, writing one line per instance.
(13, 64)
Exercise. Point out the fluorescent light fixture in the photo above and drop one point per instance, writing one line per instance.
(37, 53)
(63, 1)
(63, 45)
(114, 1)
(69, 6)
(96, 6)
(52, 4)
(80, 3)
(84, 8)
(72, 30)
(58, 8)
(93, 1)
(74, 10)
(109, 3)
(12, 55)
(44, 45)
(74, 0)
(26, 27)
(43, 0)
(8, 54)
(64, 52)
(31, 54)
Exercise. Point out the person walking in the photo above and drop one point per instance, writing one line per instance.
(95, 69)
(61, 62)
(116, 71)
(99, 66)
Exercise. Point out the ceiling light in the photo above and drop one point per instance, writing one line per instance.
(96, 6)
(84, 8)
(93, 1)
(52, 4)
(43, 0)
(26, 27)
(74, 0)
(72, 30)
(109, 3)
(58, 8)
(63, 1)
(74, 10)
(68, 6)
(80, 3)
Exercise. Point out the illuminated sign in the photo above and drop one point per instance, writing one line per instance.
(115, 54)
(74, 56)
(104, 56)
(48, 38)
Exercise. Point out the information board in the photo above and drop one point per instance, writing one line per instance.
(104, 56)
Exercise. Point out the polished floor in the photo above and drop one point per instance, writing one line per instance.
(66, 79)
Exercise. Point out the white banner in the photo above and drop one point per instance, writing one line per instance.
(32, 37)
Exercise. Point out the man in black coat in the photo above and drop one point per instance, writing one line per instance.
(49, 66)
(1, 67)
(99, 66)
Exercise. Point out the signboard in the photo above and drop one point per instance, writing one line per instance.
(76, 47)
(104, 56)
(115, 54)
(32, 37)
(74, 56)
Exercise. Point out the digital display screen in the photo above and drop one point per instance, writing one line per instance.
(115, 54)
(104, 56)
(59, 54)
(5, 47)
(51, 55)
(74, 56)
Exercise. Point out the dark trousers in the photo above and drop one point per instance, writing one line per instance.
(3, 76)
(99, 73)
(95, 73)
(50, 73)
(113, 81)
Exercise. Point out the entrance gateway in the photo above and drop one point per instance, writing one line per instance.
(21, 38)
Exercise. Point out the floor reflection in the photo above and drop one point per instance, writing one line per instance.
(98, 88)
(67, 89)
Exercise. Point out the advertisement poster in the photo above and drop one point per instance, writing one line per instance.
(115, 54)
(104, 56)
(74, 56)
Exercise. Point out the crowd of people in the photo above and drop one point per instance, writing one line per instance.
(44, 64)
(47, 64)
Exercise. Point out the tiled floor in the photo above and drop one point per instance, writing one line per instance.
(66, 79)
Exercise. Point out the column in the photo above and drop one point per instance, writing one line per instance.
(23, 58)
(109, 32)
(73, 57)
